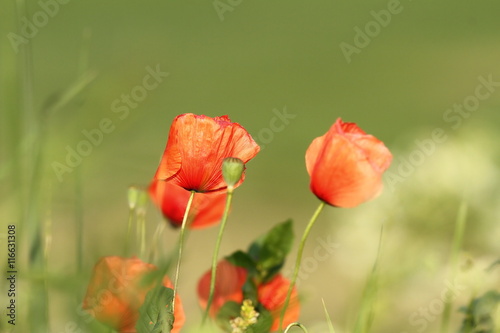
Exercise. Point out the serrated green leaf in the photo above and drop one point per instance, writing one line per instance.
(270, 250)
(156, 313)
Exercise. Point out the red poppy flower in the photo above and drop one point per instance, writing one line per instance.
(346, 165)
(196, 147)
(116, 292)
(272, 296)
(206, 210)
(230, 281)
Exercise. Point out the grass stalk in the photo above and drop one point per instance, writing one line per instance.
(460, 224)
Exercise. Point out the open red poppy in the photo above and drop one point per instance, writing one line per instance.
(116, 292)
(196, 147)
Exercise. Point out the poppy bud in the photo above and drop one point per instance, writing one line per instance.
(132, 196)
(232, 170)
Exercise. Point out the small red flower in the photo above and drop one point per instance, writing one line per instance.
(229, 282)
(229, 285)
(116, 292)
(196, 147)
(272, 296)
(206, 210)
(346, 165)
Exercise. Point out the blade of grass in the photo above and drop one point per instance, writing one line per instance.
(31, 171)
(456, 247)
(86, 78)
(366, 313)
(328, 320)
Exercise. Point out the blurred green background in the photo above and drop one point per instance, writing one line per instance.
(260, 59)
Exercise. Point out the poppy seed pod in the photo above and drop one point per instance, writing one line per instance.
(232, 170)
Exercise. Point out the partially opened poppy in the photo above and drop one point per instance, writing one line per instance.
(229, 287)
(346, 165)
(196, 147)
(206, 209)
(116, 292)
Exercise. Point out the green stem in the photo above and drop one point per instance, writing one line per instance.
(328, 319)
(216, 254)
(142, 223)
(299, 260)
(458, 237)
(131, 214)
(181, 245)
(154, 253)
(79, 221)
(296, 325)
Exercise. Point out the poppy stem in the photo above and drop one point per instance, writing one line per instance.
(131, 213)
(297, 325)
(216, 253)
(299, 260)
(181, 245)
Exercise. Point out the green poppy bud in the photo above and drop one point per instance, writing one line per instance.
(232, 170)
(133, 195)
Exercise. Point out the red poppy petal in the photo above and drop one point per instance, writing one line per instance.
(115, 293)
(272, 296)
(209, 209)
(376, 152)
(344, 177)
(313, 152)
(206, 210)
(196, 147)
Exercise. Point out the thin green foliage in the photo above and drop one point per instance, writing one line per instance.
(366, 313)
(328, 320)
(458, 237)
(298, 261)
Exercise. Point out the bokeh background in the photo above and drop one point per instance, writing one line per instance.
(253, 61)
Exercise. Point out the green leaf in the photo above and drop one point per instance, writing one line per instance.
(228, 311)
(478, 315)
(241, 259)
(156, 313)
(250, 290)
(264, 322)
(270, 250)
